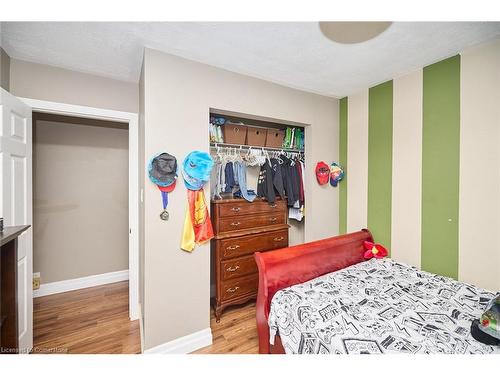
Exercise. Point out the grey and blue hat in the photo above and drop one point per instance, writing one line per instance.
(163, 169)
(196, 169)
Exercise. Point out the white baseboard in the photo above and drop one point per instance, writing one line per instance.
(185, 344)
(80, 283)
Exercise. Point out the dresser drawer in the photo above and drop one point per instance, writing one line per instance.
(239, 287)
(230, 224)
(238, 267)
(245, 208)
(245, 245)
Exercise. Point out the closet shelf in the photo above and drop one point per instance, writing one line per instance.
(246, 147)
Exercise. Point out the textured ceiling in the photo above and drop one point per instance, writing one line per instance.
(293, 54)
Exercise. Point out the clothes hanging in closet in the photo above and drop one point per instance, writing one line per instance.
(265, 188)
(297, 212)
(282, 176)
(241, 177)
(279, 176)
(270, 181)
(291, 181)
(230, 177)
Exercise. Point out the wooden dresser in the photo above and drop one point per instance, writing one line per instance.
(9, 298)
(242, 228)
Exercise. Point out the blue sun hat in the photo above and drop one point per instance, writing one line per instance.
(196, 169)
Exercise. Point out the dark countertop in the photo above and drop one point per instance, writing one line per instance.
(10, 233)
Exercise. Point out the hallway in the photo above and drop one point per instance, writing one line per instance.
(91, 320)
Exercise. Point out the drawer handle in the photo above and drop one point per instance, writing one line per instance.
(273, 219)
(236, 209)
(233, 269)
(274, 205)
(279, 238)
(234, 247)
(235, 224)
(232, 290)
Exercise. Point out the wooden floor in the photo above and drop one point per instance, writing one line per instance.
(91, 320)
(236, 333)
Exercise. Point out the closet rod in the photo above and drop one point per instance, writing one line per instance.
(246, 147)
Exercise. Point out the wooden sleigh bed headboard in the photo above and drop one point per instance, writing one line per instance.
(282, 268)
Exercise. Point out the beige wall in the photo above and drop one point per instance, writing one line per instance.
(479, 255)
(4, 70)
(177, 97)
(407, 169)
(357, 161)
(80, 200)
(44, 82)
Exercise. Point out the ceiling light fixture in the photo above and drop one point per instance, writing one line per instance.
(352, 32)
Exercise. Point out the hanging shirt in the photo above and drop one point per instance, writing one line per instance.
(229, 178)
(241, 176)
(303, 175)
(277, 177)
(265, 187)
(298, 166)
(295, 182)
(290, 180)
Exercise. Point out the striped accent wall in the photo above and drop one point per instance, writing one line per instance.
(407, 169)
(380, 162)
(423, 166)
(440, 166)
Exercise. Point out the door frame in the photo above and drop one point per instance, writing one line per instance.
(133, 176)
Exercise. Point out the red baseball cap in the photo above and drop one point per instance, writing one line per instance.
(322, 172)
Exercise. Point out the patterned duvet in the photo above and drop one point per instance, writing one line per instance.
(379, 306)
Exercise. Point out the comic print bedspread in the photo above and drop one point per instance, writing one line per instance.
(378, 306)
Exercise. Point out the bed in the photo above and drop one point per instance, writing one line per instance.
(324, 298)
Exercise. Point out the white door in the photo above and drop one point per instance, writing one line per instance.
(16, 200)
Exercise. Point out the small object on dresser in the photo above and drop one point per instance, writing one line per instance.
(1, 224)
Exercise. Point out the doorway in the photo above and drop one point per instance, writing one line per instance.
(80, 202)
(134, 189)
(16, 187)
(80, 235)
(84, 114)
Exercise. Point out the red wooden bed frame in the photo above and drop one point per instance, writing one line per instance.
(282, 268)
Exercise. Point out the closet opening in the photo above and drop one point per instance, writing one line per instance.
(257, 201)
(81, 235)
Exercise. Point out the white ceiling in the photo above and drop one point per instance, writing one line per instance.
(292, 54)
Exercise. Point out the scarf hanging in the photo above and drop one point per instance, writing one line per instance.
(197, 225)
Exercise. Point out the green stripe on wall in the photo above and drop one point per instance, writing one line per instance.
(440, 167)
(380, 106)
(343, 163)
